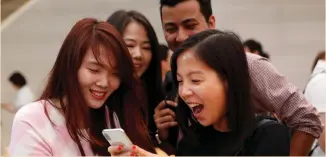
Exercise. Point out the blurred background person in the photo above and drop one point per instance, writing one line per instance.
(254, 46)
(315, 93)
(24, 93)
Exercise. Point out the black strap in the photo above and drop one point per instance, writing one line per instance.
(263, 121)
(313, 149)
(80, 148)
(111, 116)
(238, 153)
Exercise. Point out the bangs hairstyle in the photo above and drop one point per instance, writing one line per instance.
(127, 101)
(224, 53)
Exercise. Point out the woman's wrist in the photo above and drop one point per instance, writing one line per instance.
(159, 138)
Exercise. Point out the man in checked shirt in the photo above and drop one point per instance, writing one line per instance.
(271, 91)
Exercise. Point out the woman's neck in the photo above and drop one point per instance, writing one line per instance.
(221, 125)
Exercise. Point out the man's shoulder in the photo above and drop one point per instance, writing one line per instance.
(251, 58)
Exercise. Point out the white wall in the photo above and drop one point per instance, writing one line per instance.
(292, 31)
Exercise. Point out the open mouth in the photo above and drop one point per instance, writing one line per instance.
(196, 108)
(137, 65)
(98, 94)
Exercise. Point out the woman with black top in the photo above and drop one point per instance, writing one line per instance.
(214, 109)
(143, 45)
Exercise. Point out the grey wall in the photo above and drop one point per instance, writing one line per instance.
(292, 31)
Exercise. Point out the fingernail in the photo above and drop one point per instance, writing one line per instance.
(120, 147)
(133, 147)
(132, 154)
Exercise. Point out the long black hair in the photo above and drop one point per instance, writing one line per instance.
(224, 53)
(152, 77)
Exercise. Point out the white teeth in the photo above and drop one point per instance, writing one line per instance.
(193, 105)
(98, 94)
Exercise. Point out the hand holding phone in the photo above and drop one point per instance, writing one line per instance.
(116, 137)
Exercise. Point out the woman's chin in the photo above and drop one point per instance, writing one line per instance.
(204, 123)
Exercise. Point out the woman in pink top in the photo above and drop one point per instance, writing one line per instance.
(92, 86)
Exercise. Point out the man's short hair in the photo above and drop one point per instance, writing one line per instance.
(205, 6)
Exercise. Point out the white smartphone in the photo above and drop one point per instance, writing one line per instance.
(116, 136)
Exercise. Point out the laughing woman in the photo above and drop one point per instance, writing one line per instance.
(214, 109)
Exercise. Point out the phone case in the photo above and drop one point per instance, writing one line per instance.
(116, 137)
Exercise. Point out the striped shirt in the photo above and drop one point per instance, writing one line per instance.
(272, 92)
